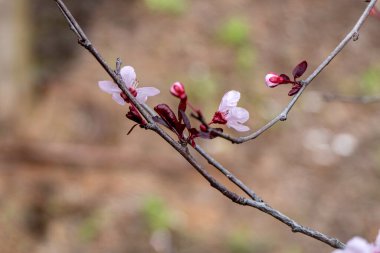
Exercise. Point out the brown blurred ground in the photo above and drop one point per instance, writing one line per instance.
(71, 180)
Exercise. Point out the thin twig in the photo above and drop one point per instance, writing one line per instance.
(86, 43)
(258, 203)
(147, 113)
(352, 35)
(228, 174)
(352, 99)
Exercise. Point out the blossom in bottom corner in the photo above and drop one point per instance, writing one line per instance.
(359, 245)
(231, 115)
(128, 75)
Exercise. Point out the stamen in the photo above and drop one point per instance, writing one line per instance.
(135, 83)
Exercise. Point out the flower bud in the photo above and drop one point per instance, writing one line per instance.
(272, 80)
(178, 90)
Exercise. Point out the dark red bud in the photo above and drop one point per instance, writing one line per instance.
(167, 114)
(170, 119)
(203, 128)
(276, 79)
(219, 118)
(135, 116)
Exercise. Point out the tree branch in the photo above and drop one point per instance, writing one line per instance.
(228, 174)
(255, 201)
(258, 203)
(352, 35)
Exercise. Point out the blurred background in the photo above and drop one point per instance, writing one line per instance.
(71, 180)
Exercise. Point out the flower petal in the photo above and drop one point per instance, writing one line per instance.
(237, 126)
(237, 114)
(357, 245)
(377, 242)
(230, 99)
(109, 87)
(144, 92)
(118, 99)
(235, 117)
(128, 75)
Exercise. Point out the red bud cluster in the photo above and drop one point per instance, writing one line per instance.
(273, 80)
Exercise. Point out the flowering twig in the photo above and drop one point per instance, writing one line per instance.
(352, 35)
(352, 99)
(181, 147)
(258, 203)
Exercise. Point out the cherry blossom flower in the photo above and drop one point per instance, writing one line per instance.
(128, 75)
(359, 245)
(272, 80)
(231, 115)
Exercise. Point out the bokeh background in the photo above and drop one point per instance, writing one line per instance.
(71, 180)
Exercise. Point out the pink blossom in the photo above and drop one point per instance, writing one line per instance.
(356, 245)
(231, 115)
(178, 90)
(359, 245)
(272, 80)
(128, 75)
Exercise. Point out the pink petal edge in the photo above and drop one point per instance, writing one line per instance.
(118, 99)
(144, 92)
(230, 99)
(109, 87)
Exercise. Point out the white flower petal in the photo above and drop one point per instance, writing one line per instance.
(230, 99)
(128, 75)
(118, 99)
(237, 126)
(357, 245)
(109, 87)
(144, 92)
(238, 114)
(377, 242)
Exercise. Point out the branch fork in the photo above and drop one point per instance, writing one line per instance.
(148, 114)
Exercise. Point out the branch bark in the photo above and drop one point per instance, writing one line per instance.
(352, 35)
(254, 200)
